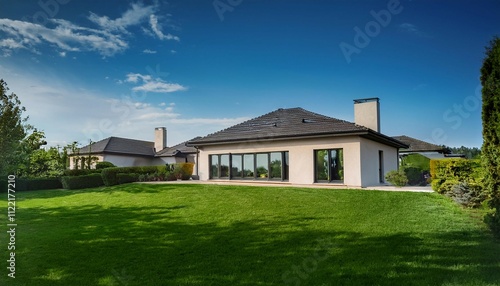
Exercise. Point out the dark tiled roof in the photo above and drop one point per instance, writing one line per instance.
(180, 148)
(117, 145)
(418, 145)
(290, 123)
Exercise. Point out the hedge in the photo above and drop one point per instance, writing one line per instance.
(104, 165)
(110, 175)
(117, 175)
(460, 179)
(187, 170)
(81, 172)
(82, 182)
(31, 184)
(461, 170)
(127, 178)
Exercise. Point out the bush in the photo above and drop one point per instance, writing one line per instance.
(110, 175)
(447, 186)
(32, 184)
(82, 182)
(3, 185)
(397, 178)
(453, 168)
(104, 165)
(436, 184)
(414, 175)
(468, 195)
(127, 178)
(183, 171)
(81, 172)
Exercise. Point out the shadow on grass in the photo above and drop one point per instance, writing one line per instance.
(133, 188)
(159, 246)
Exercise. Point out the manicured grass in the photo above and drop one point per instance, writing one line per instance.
(174, 234)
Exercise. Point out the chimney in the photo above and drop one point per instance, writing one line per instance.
(160, 138)
(367, 113)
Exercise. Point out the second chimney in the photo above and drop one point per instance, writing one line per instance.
(367, 113)
(160, 138)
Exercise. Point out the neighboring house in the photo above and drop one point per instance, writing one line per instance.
(301, 147)
(429, 150)
(124, 152)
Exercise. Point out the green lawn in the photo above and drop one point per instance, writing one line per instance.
(141, 234)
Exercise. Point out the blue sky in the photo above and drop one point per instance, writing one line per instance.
(94, 69)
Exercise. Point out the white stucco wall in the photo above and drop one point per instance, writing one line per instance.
(301, 156)
(132, 161)
(127, 161)
(361, 157)
(370, 161)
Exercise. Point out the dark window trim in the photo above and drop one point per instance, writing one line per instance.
(329, 164)
(284, 173)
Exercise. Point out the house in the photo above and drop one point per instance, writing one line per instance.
(428, 150)
(124, 152)
(302, 147)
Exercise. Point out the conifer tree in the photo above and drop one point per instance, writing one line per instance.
(490, 80)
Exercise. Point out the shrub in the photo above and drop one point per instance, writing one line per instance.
(124, 178)
(32, 184)
(82, 182)
(468, 195)
(447, 186)
(436, 184)
(110, 178)
(454, 168)
(414, 175)
(104, 165)
(3, 185)
(81, 172)
(397, 178)
(183, 171)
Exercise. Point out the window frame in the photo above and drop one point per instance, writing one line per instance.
(285, 166)
(329, 164)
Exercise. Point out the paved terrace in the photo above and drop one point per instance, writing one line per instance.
(415, 189)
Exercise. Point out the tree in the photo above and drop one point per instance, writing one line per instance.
(490, 80)
(12, 129)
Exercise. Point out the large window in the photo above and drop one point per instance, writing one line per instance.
(237, 166)
(329, 165)
(224, 166)
(276, 169)
(262, 166)
(249, 166)
(214, 166)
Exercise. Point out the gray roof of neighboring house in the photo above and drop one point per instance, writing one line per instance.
(180, 148)
(117, 145)
(416, 145)
(291, 123)
(125, 146)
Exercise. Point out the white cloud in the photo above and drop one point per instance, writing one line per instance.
(152, 85)
(412, 29)
(65, 35)
(107, 40)
(68, 113)
(62, 54)
(148, 51)
(156, 29)
(134, 16)
(159, 87)
(408, 27)
(134, 77)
